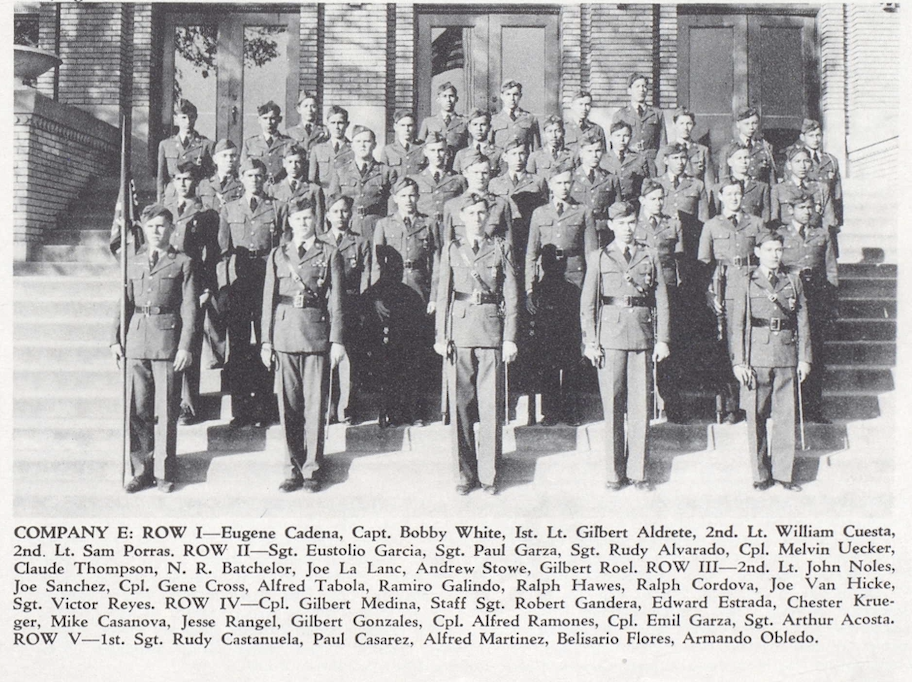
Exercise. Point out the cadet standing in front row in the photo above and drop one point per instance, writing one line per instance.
(302, 334)
(161, 324)
(624, 320)
(477, 306)
(771, 346)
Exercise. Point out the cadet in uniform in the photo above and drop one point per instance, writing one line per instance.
(761, 165)
(756, 199)
(309, 132)
(630, 167)
(624, 321)
(477, 305)
(567, 226)
(365, 180)
(770, 345)
(355, 255)
(699, 161)
(727, 246)
(336, 150)
(499, 213)
(797, 182)
(195, 234)
(809, 254)
(405, 155)
(824, 166)
(250, 227)
(270, 145)
(302, 335)
(578, 124)
(512, 121)
(553, 153)
(294, 185)
(593, 186)
(186, 145)
(161, 324)
(665, 234)
(685, 196)
(478, 124)
(224, 185)
(647, 124)
(436, 184)
(447, 122)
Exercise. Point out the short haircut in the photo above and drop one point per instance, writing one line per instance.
(673, 149)
(634, 77)
(618, 125)
(269, 107)
(185, 106)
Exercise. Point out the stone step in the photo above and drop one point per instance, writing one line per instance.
(76, 236)
(97, 329)
(81, 405)
(854, 329)
(860, 353)
(66, 269)
(851, 270)
(847, 377)
(27, 309)
(103, 379)
(74, 253)
(850, 405)
(64, 438)
(868, 308)
(103, 288)
(818, 437)
(867, 287)
(54, 354)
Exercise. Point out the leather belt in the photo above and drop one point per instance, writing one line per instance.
(477, 297)
(774, 324)
(736, 261)
(629, 301)
(352, 292)
(262, 253)
(154, 310)
(411, 264)
(562, 254)
(300, 301)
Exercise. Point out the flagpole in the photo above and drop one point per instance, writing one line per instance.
(126, 205)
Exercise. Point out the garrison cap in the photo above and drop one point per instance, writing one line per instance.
(185, 106)
(553, 120)
(335, 109)
(306, 94)
(188, 167)
(510, 83)
(580, 94)
(515, 142)
(479, 113)
(649, 186)
(474, 198)
(728, 181)
(336, 198)
(154, 211)
(621, 209)
(473, 158)
(401, 114)
(404, 183)
(673, 149)
(565, 166)
(590, 137)
(618, 125)
(634, 77)
(747, 113)
(252, 164)
(809, 125)
(769, 236)
(270, 106)
(435, 137)
(796, 150)
(800, 198)
(299, 204)
(443, 87)
(736, 148)
(684, 111)
(359, 129)
(294, 150)
(223, 145)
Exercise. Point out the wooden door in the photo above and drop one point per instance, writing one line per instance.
(525, 47)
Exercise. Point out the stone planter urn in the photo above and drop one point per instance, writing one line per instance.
(30, 62)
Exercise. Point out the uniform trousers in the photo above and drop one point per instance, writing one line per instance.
(476, 383)
(303, 385)
(624, 383)
(341, 391)
(154, 389)
(773, 396)
(190, 382)
(729, 388)
(214, 330)
(819, 321)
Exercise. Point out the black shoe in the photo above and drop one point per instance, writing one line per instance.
(310, 485)
(791, 487)
(165, 486)
(573, 421)
(418, 422)
(730, 418)
(187, 417)
(617, 485)
(383, 421)
(465, 488)
(548, 421)
(646, 486)
(289, 485)
(491, 489)
(763, 485)
(138, 483)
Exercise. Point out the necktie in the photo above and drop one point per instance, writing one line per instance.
(153, 259)
(621, 156)
(675, 183)
(734, 220)
(750, 144)
(308, 128)
(407, 222)
(301, 251)
(339, 239)
(253, 204)
(294, 186)
(336, 147)
(512, 115)
(478, 147)
(268, 141)
(475, 247)
(591, 175)
(653, 222)
(816, 157)
(772, 278)
(223, 182)
(436, 177)
(180, 208)
(626, 253)
(640, 111)
(560, 208)
(446, 120)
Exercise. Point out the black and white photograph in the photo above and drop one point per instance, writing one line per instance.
(393, 331)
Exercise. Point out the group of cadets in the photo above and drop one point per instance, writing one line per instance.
(311, 262)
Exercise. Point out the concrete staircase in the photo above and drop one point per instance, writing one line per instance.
(67, 403)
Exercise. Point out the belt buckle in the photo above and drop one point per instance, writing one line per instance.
(147, 309)
(298, 300)
(476, 298)
(408, 264)
(559, 254)
(775, 324)
(738, 261)
(628, 301)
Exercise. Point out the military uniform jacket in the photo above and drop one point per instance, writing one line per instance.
(826, 170)
(323, 157)
(756, 199)
(810, 254)
(523, 125)
(215, 193)
(404, 161)
(689, 196)
(542, 161)
(630, 172)
(783, 193)
(493, 153)
(315, 320)
(755, 344)
(666, 237)
(308, 139)
(699, 163)
(499, 222)
(196, 235)
(573, 132)
(762, 166)
(527, 193)
(244, 233)
(648, 127)
(417, 245)
(572, 233)
(170, 293)
(464, 322)
(597, 194)
(455, 132)
(619, 327)
(370, 189)
(270, 154)
(355, 254)
(282, 192)
(722, 243)
(434, 194)
(172, 153)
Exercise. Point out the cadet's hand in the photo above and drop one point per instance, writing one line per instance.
(117, 353)
(382, 310)
(718, 309)
(432, 307)
(336, 354)
(530, 303)
(205, 298)
(804, 368)
(593, 353)
(660, 352)
(744, 375)
(182, 360)
(440, 348)
(509, 351)
(267, 355)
